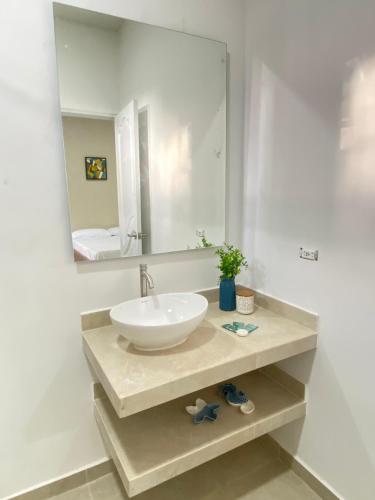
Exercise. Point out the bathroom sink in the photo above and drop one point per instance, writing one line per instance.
(159, 321)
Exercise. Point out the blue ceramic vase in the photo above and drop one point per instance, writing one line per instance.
(227, 295)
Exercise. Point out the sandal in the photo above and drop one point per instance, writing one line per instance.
(202, 411)
(237, 398)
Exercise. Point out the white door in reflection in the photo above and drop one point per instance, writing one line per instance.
(128, 180)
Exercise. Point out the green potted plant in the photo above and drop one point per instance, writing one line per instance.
(231, 262)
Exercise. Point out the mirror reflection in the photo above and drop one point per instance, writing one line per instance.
(144, 125)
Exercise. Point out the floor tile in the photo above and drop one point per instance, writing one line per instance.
(251, 472)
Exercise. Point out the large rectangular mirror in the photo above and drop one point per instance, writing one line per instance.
(144, 123)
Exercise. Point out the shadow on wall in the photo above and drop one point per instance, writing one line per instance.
(300, 367)
(282, 157)
(319, 413)
(356, 186)
(310, 180)
(144, 165)
(334, 91)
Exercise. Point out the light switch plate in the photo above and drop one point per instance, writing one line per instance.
(308, 254)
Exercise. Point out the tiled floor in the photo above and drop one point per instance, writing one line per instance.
(251, 472)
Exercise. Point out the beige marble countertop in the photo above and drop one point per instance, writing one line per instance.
(135, 381)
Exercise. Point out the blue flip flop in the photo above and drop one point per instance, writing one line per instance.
(237, 398)
(202, 411)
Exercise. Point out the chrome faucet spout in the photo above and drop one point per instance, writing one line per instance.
(146, 280)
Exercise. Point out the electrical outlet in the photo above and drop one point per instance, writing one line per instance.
(308, 254)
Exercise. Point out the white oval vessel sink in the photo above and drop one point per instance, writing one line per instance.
(159, 321)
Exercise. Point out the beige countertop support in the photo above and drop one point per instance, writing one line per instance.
(155, 445)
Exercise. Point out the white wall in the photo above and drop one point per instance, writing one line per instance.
(181, 82)
(47, 427)
(88, 68)
(310, 158)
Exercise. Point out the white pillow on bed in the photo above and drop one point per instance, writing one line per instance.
(114, 231)
(89, 233)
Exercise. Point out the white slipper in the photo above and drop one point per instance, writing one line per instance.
(247, 407)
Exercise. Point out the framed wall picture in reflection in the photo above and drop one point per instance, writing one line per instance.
(96, 168)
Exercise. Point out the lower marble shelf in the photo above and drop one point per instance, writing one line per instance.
(155, 445)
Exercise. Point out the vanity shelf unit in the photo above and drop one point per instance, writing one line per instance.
(140, 400)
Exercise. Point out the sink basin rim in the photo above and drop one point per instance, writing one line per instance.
(116, 310)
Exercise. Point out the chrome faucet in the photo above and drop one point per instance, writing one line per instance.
(146, 280)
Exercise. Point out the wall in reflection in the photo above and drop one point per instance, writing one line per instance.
(92, 203)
